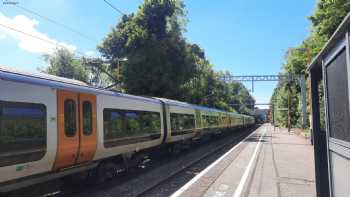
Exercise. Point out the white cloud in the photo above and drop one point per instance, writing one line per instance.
(28, 43)
(90, 53)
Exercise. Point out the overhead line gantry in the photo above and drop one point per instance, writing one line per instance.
(289, 78)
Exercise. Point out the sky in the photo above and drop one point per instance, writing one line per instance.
(245, 37)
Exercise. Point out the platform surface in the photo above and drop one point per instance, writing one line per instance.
(270, 162)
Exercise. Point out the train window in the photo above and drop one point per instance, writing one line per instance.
(174, 122)
(146, 122)
(22, 132)
(189, 121)
(70, 124)
(126, 127)
(133, 123)
(207, 120)
(150, 122)
(182, 122)
(87, 118)
(211, 120)
(113, 123)
(156, 124)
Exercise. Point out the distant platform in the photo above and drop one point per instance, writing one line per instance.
(269, 162)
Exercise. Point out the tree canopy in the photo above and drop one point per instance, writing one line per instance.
(325, 19)
(92, 71)
(160, 61)
(64, 64)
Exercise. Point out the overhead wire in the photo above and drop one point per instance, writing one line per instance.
(52, 43)
(30, 35)
(115, 8)
(39, 38)
(62, 25)
(57, 23)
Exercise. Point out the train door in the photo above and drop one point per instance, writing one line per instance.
(76, 128)
(87, 134)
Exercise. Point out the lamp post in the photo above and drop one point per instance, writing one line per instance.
(119, 60)
(124, 59)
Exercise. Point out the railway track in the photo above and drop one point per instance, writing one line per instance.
(159, 175)
(146, 183)
(166, 186)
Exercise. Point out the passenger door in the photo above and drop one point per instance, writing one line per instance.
(88, 135)
(76, 128)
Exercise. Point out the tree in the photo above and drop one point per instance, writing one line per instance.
(325, 19)
(328, 15)
(99, 73)
(158, 59)
(162, 63)
(64, 64)
(207, 87)
(92, 71)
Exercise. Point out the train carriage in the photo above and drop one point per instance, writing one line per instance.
(51, 127)
(181, 120)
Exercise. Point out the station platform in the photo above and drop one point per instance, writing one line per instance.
(269, 162)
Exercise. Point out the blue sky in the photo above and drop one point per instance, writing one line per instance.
(242, 36)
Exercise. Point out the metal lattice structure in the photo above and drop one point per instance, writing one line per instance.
(260, 78)
(289, 78)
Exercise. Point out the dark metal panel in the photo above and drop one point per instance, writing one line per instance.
(334, 52)
(338, 98)
(326, 126)
(320, 140)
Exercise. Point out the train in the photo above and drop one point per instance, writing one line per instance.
(52, 127)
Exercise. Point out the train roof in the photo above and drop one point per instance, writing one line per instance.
(43, 79)
(192, 106)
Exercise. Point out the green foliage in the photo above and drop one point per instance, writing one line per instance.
(208, 88)
(160, 63)
(325, 20)
(328, 15)
(287, 94)
(99, 72)
(64, 64)
(89, 70)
